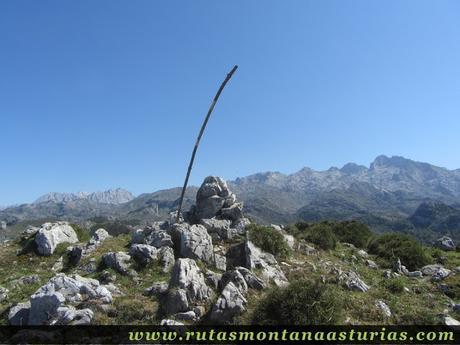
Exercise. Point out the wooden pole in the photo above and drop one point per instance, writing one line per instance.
(197, 143)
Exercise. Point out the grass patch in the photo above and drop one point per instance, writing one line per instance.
(303, 302)
(269, 240)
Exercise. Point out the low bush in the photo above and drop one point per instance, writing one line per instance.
(269, 240)
(353, 232)
(392, 246)
(395, 285)
(303, 302)
(320, 234)
(82, 234)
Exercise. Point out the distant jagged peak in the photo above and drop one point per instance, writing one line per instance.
(353, 168)
(111, 196)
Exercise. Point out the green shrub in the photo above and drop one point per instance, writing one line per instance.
(320, 234)
(269, 240)
(395, 285)
(303, 302)
(353, 232)
(82, 234)
(391, 246)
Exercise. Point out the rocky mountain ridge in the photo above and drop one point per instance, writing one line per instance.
(384, 195)
(111, 196)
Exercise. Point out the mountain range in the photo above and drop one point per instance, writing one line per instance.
(393, 193)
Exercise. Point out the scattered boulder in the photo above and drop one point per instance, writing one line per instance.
(450, 321)
(119, 261)
(383, 307)
(414, 274)
(436, 272)
(371, 264)
(230, 303)
(353, 282)
(51, 234)
(441, 274)
(169, 322)
(3, 294)
(143, 253)
(186, 316)
(99, 236)
(445, 243)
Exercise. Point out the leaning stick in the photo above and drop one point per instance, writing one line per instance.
(203, 126)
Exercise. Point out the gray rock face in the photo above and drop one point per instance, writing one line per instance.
(230, 303)
(432, 271)
(167, 259)
(251, 279)
(52, 234)
(156, 289)
(119, 261)
(194, 242)
(236, 278)
(415, 274)
(186, 280)
(99, 236)
(143, 253)
(214, 198)
(75, 288)
(371, 264)
(3, 294)
(19, 314)
(155, 235)
(445, 243)
(383, 307)
(219, 228)
(441, 274)
(48, 304)
(44, 306)
(220, 261)
(176, 301)
(266, 262)
(353, 282)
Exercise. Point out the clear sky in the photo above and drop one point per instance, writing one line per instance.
(104, 94)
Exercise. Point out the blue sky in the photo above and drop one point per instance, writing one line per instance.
(103, 94)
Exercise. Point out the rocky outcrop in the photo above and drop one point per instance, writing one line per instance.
(187, 287)
(265, 262)
(119, 261)
(194, 242)
(143, 253)
(155, 235)
(353, 282)
(445, 243)
(52, 303)
(52, 234)
(230, 303)
(436, 272)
